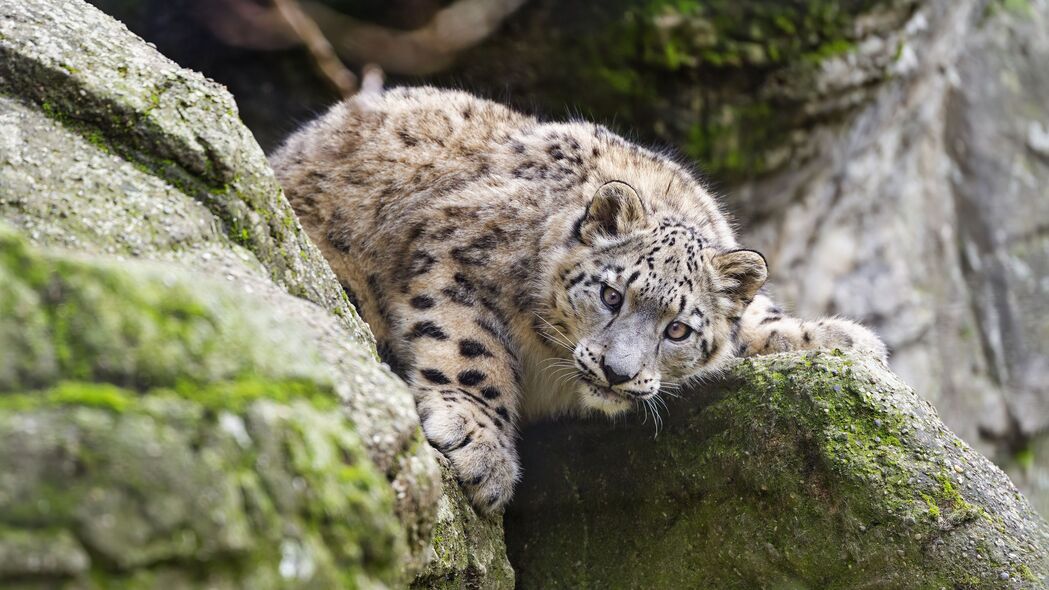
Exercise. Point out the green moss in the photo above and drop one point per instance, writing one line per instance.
(1026, 573)
(934, 510)
(829, 49)
(957, 509)
(96, 395)
(134, 329)
(145, 409)
(236, 395)
(1024, 458)
(112, 140)
(1022, 7)
(225, 508)
(232, 396)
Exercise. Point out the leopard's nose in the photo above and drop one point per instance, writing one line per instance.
(612, 376)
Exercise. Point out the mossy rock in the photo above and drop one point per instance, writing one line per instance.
(157, 284)
(468, 550)
(84, 69)
(798, 471)
(736, 85)
(153, 433)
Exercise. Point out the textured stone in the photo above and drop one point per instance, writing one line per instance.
(799, 470)
(468, 550)
(153, 419)
(86, 70)
(186, 397)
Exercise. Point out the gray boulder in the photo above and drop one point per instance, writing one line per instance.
(187, 397)
(798, 471)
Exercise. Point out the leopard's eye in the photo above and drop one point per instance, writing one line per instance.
(611, 298)
(678, 331)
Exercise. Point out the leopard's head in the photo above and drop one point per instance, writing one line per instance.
(643, 303)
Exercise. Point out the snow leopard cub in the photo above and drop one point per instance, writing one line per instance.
(512, 269)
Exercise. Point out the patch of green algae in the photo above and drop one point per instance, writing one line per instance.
(68, 319)
(231, 396)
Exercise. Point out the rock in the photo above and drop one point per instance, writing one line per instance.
(730, 84)
(468, 549)
(996, 112)
(149, 420)
(172, 124)
(187, 399)
(779, 477)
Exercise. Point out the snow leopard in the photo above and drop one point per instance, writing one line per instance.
(512, 269)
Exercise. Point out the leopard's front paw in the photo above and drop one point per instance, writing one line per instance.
(776, 333)
(484, 462)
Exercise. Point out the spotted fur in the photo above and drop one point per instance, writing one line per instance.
(484, 248)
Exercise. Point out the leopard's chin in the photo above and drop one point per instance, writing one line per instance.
(604, 400)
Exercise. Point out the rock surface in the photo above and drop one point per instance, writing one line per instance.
(186, 397)
(799, 471)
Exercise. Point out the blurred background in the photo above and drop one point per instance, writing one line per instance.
(890, 157)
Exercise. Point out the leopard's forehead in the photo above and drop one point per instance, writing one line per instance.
(667, 267)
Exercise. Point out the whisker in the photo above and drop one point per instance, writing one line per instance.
(661, 402)
(559, 332)
(558, 372)
(560, 375)
(556, 364)
(554, 340)
(564, 340)
(655, 415)
(561, 378)
(566, 379)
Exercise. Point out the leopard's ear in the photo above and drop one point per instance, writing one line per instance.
(615, 210)
(742, 273)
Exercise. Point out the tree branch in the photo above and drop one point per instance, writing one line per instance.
(327, 62)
